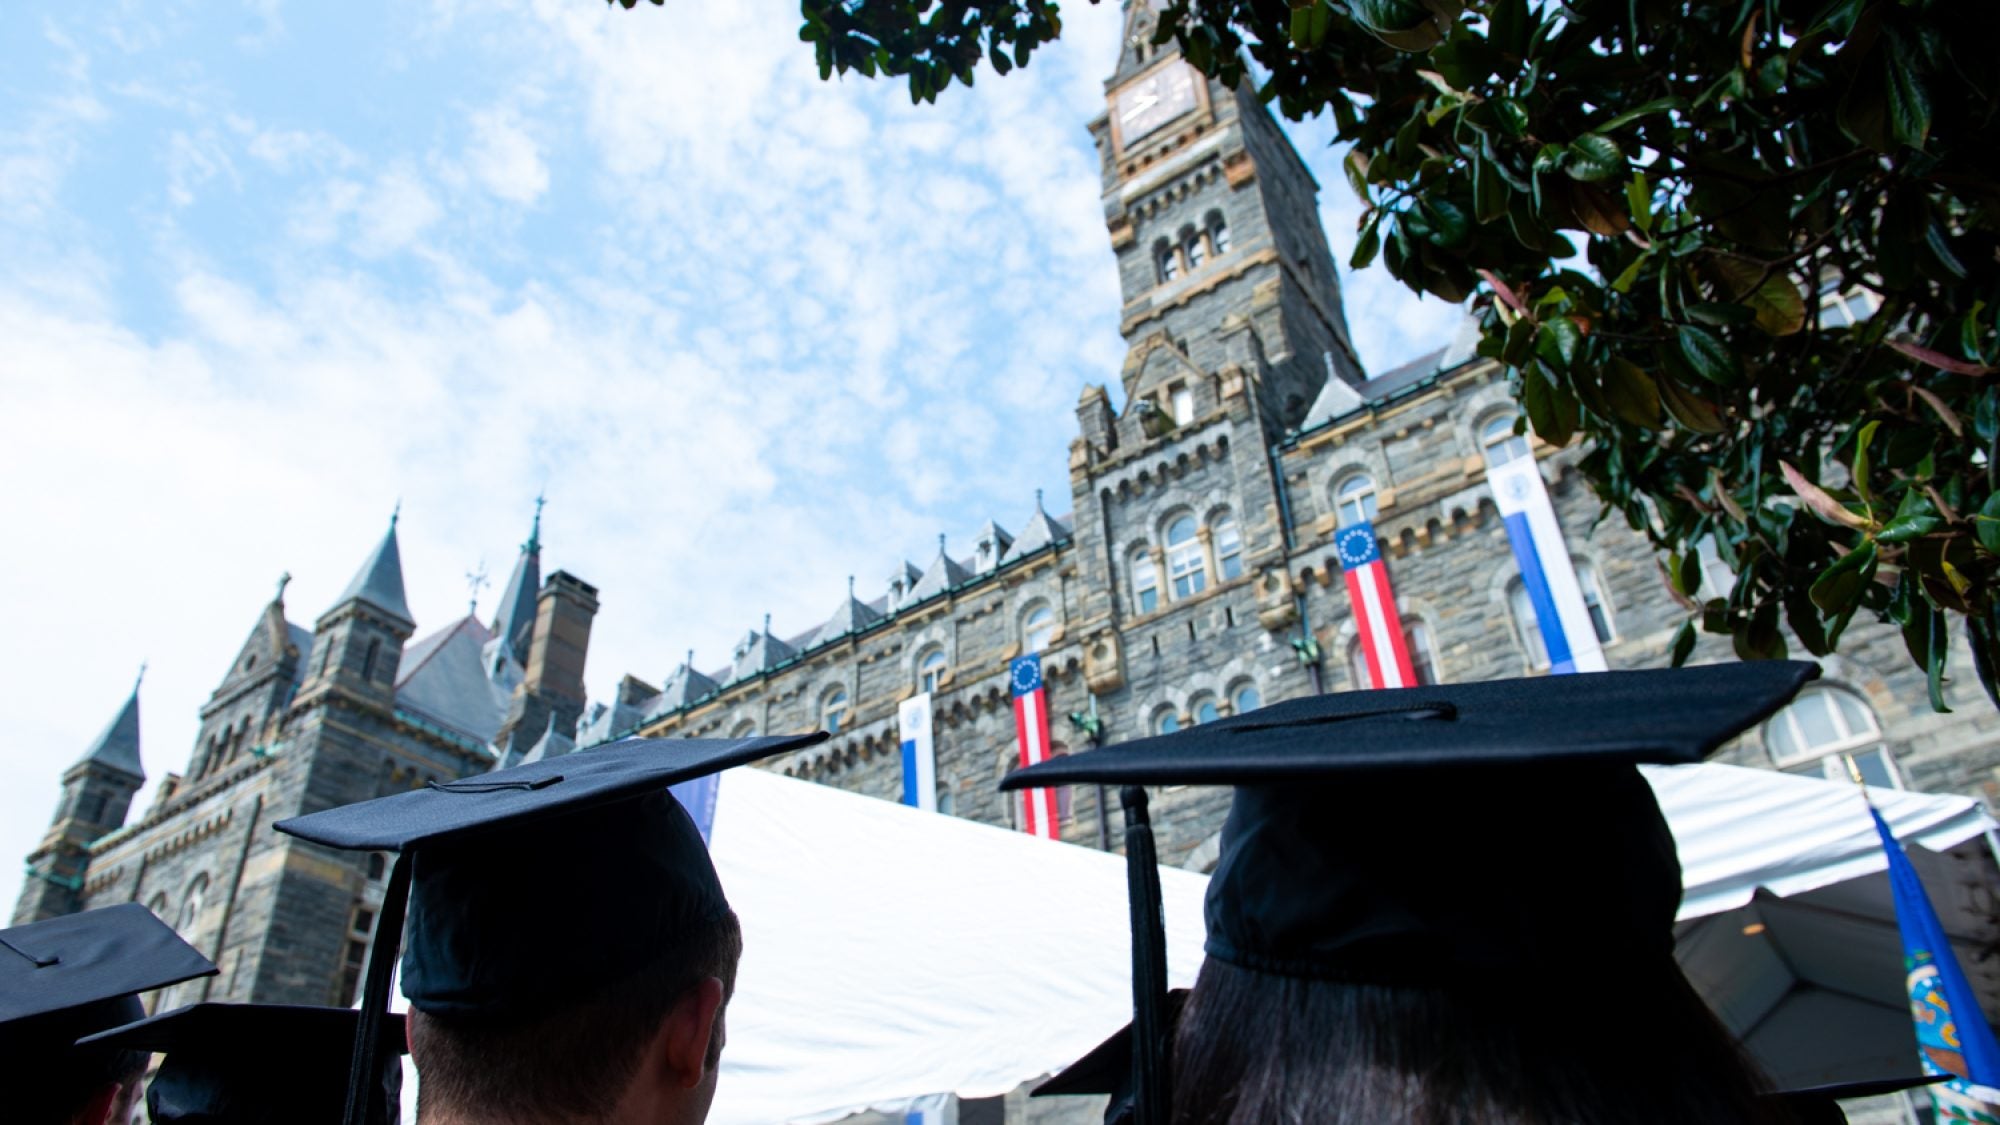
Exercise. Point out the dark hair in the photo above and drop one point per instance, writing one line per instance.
(1598, 1046)
(61, 1087)
(574, 1061)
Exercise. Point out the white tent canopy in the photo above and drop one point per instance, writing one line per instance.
(893, 954)
(1787, 925)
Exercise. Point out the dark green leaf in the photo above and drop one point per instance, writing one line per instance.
(1840, 585)
(1689, 409)
(1803, 617)
(1720, 314)
(1551, 410)
(1914, 517)
(1862, 466)
(1367, 245)
(1708, 356)
(1987, 524)
(1594, 157)
(1684, 639)
(1631, 393)
(1639, 201)
(1909, 104)
(1558, 342)
(1513, 117)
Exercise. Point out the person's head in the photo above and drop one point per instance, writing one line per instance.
(643, 1048)
(254, 1064)
(569, 948)
(1449, 904)
(77, 1085)
(1639, 1048)
(68, 977)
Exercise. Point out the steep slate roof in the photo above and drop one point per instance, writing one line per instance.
(552, 744)
(758, 652)
(302, 639)
(853, 616)
(993, 541)
(1041, 530)
(682, 688)
(379, 582)
(1337, 399)
(443, 679)
(118, 747)
(515, 618)
(944, 573)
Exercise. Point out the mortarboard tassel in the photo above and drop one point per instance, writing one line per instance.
(388, 946)
(1149, 963)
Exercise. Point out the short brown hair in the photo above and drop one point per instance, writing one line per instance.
(574, 1061)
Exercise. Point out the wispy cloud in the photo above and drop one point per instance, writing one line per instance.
(753, 331)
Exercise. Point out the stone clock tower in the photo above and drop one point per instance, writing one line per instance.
(1221, 257)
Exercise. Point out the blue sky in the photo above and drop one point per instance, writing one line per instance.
(268, 268)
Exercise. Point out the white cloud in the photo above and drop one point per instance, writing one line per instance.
(505, 158)
(396, 211)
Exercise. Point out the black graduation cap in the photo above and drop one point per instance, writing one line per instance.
(69, 976)
(536, 883)
(1420, 835)
(1820, 1105)
(258, 1064)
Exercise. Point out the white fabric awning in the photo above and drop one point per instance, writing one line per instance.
(892, 954)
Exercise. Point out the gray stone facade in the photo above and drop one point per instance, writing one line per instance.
(305, 720)
(1193, 577)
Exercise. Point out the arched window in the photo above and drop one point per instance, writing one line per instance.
(1166, 722)
(190, 915)
(745, 729)
(1218, 232)
(1038, 629)
(1499, 443)
(1354, 499)
(1185, 567)
(833, 712)
(1423, 656)
(368, 660)
(1204, 710)
(1829, 731)
(1246, 699)
(1166, 260)
(1594, 603)
(1197, 250)
(930, 671)
(1526, 625)
(1228, 547)
(1145, 582)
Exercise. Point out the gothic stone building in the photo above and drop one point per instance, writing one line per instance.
(1193, 577)
(301, 721)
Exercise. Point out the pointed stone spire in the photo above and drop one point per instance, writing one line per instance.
(379, 582)
(853, 616)
(942, 576)
(552, 744)
(514, 621)
(1041, 530)
(685, 686)
(118, 747)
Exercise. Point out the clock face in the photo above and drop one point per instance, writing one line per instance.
(1154, 100)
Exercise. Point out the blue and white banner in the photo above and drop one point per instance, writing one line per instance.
(913, 721)
(698, 798)
(1546, 571)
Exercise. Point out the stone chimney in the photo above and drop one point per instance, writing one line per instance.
(553, 685)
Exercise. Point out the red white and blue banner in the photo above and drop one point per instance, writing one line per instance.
(913, 724)
(1039, 813)
(1546, 571)
(1953, 1037)
(1382, 640)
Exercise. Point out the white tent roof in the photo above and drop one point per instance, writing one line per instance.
(892, 954)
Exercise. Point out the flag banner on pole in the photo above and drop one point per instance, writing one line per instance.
(698, 798)
(1546, 570)
(1953, 1036)
(1382, 640)
(1031, 723)
(913, 723)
